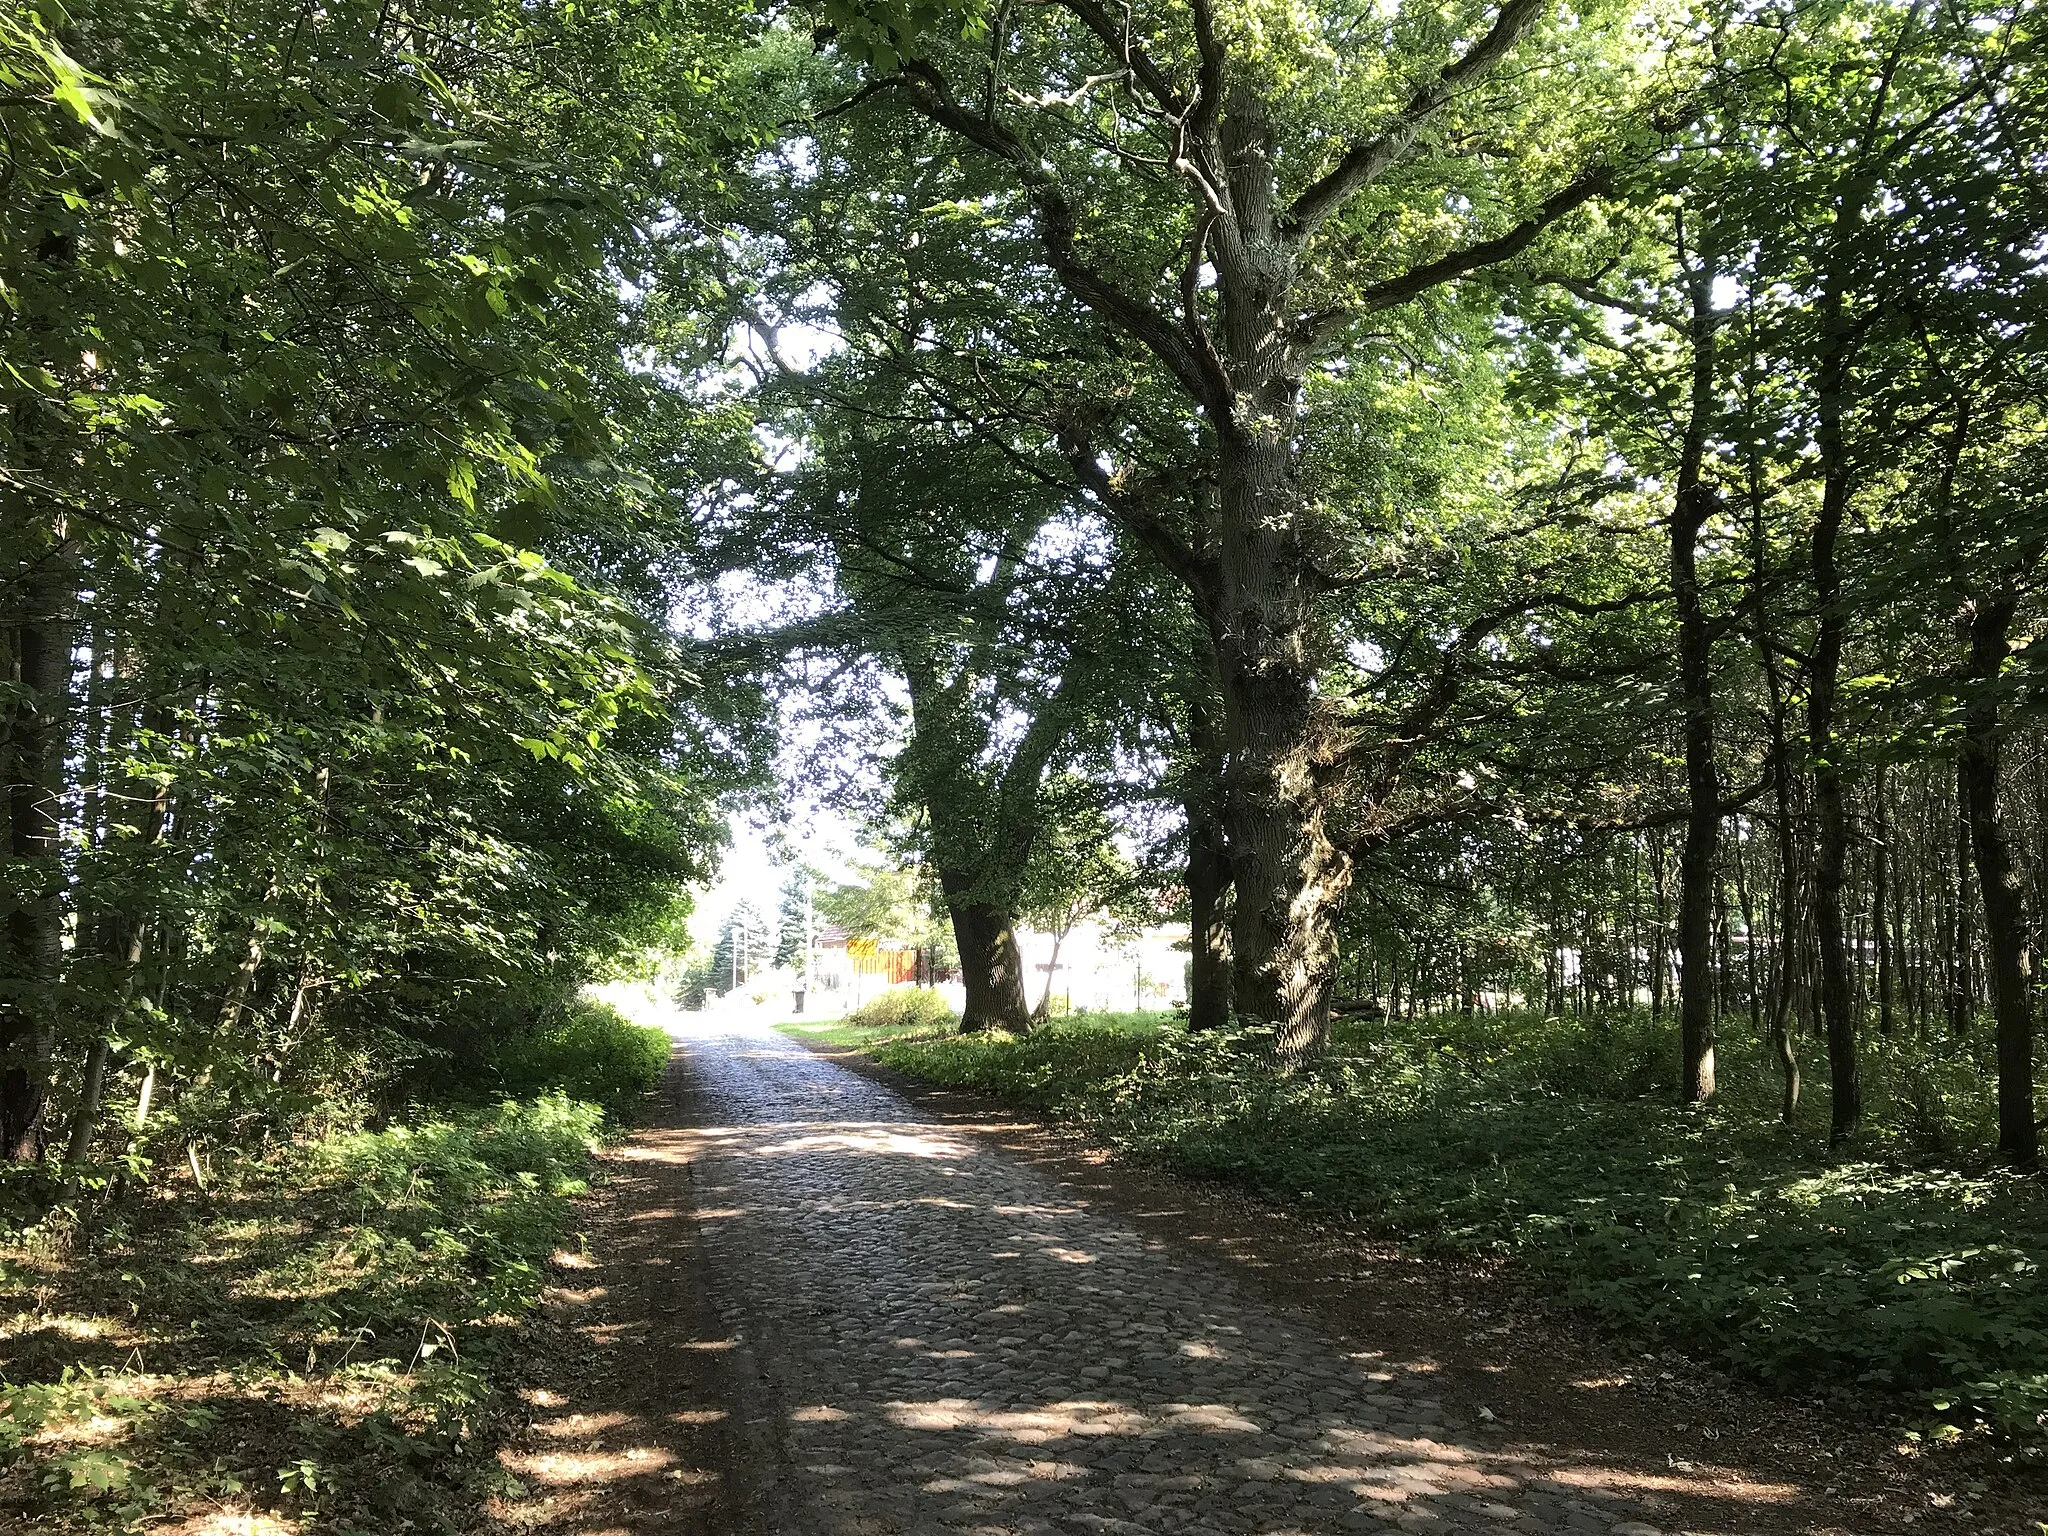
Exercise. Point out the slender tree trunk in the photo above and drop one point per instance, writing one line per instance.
(123, 925)
(1693, 505)
(1052, 965)
(1986, 626)
(86, 1116)
(1962, 986)
(1785, 937)
(1881, 900)
(1660, 960)
(1751, 982)
(1831, 824)
(40, 653)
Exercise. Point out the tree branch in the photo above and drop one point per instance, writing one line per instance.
(1165, 543)
(1398, 290)
(1117, 39)
(1365, 162)
(1057, 226)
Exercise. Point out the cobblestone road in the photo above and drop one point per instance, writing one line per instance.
(944, 1341)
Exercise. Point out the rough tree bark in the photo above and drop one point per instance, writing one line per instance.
(991, 970)
(1208, 878)
(1985, 625)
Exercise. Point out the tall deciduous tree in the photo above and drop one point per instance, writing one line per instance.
(1240, 193)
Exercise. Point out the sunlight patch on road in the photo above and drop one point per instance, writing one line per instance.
(581, 1424)
(1625, 1480)
(232, 1523)
(1069, 1255)
(558, 1469)
(1084, 1418)
(869, 1141)
(818, 1413)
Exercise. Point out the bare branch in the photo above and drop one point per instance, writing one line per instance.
(1592, 293)
(1117, 39)
(1073, 98)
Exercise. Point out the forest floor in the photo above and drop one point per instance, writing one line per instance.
(816, 1297)
(312, 1341)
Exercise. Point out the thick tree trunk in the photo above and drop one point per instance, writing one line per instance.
(990, 967)
(1290, 877)
(1208, 926)
(1208, 878)
(1985, 627)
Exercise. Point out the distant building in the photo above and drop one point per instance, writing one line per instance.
(1107, 971)
(1090, 968)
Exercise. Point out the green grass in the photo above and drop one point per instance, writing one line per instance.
(320, 1336)
(1040, 1069)
(1903, 1265)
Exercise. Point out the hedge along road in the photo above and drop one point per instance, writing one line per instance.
(820, 1308)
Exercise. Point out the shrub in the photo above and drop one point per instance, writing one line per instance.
(905, 1008)
(1049, 1068)
(589, 1051)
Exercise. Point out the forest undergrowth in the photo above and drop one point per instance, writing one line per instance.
(1902, 1267)
(318, 1338)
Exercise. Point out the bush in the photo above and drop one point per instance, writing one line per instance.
(589, 1051)
(905, 1008)
(1050, 1068)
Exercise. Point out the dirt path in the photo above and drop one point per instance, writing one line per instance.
(811, 1304)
